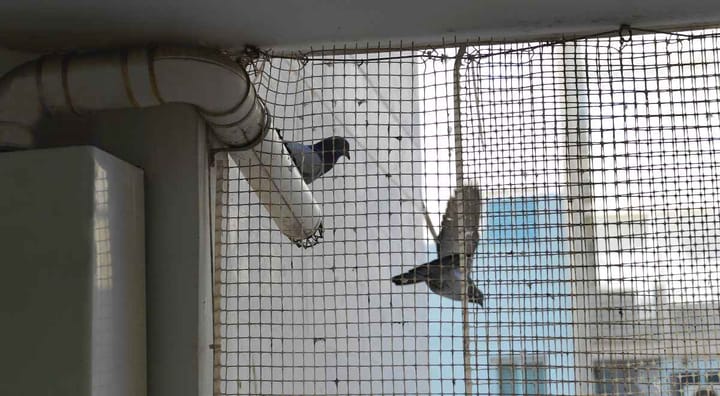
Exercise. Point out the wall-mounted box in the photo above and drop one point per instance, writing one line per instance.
(72, 274)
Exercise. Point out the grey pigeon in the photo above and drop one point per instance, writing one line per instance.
(317, 159)
(458, 236)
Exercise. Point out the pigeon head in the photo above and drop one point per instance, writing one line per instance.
(474, 295)
(333, 148)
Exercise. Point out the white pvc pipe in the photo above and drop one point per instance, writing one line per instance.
(281, 189)
(215, 85)
(218, 87)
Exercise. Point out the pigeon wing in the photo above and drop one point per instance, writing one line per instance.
(420, 273)
(459, 235)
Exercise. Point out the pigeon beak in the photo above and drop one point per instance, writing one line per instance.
(347, 154)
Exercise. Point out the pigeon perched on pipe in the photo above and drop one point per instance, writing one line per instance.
(317, 159)
(458, 236)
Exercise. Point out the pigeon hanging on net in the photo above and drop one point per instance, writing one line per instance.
(444, 276)
(317, 159)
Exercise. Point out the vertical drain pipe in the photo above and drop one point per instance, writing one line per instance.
(146, 77)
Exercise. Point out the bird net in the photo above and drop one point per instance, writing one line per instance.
(598, 169)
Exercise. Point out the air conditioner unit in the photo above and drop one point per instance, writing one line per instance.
(72, 274)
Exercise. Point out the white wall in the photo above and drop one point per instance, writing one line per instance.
(327, 320)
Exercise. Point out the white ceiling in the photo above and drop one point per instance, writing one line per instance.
(294, 24)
